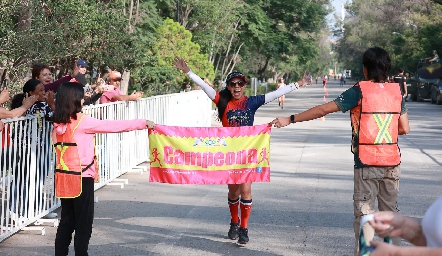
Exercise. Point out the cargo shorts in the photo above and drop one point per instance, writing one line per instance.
(371, 183)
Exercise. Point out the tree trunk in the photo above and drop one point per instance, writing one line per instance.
(124, 86)
(263, 69)
(185, 15)
(131, 8)
(226, 63)
(24, 17)
(137, 13)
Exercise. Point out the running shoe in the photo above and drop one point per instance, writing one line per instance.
(243, 236)
(233, 231)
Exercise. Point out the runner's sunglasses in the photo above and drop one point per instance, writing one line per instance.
(239, 83)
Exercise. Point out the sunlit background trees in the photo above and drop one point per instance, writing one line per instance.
(266, 39)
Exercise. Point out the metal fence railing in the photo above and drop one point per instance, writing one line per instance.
(27, 189)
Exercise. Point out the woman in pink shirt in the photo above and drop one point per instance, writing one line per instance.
(77, 212)
(112, 90)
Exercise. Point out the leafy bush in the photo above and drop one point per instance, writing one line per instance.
(260, 90)
(271, 86)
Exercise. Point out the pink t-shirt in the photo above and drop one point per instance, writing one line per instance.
(89, 126)
(108, 96)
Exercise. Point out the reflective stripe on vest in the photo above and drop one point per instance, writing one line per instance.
(377, 124)
(61, 148)
(68, 163)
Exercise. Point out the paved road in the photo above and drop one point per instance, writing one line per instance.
(306, 209)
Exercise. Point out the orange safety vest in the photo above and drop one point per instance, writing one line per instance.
(68, 169)
(375, 124)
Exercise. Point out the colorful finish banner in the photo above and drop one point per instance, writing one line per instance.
(209, 155)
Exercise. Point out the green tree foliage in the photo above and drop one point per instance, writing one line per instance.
(265, 38)
(17, 44)
(214, 26)
(58, 32)
(173, 40)
(90, 30)
(284, 31)
(408, 31)
(246, 35)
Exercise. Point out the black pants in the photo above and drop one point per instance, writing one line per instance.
(76, 214)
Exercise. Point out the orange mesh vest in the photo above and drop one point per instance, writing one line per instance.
(375, 124)
(68, 169)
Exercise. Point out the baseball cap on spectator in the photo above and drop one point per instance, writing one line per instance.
(82, 63)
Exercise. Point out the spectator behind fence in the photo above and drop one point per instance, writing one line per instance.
(112, 90)
(94, 92)
(19, 105)
(43, 106)
(18, 197)
(81, 76)
(74, 136)
(45, 100)
(27, 103)
(43, 73)
(426, 236)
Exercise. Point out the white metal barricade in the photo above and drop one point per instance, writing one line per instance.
(27, 189)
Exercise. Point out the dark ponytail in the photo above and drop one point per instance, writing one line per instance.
(224, 97)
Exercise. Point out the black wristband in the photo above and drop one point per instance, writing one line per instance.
(292, 119)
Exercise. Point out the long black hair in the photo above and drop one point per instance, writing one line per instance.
(378, 64)
(224, 97)
(68, 102)
(17, 100)
(30, 85)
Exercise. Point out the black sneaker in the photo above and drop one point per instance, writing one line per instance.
(243, 236)
(233, 231)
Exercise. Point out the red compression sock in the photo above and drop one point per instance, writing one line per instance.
(246, 209)
(233, 206)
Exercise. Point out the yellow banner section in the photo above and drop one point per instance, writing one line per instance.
(209, 153)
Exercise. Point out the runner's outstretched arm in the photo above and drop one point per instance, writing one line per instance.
(281, 91)
(286, 89)
(182, 65)
(206, 88)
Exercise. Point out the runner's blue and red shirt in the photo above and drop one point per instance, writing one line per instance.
(240, 112)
